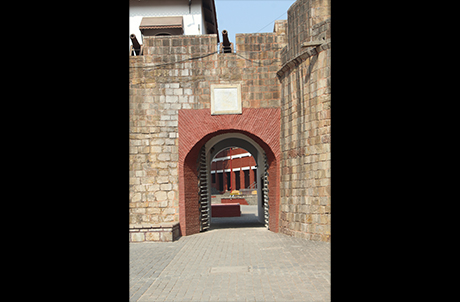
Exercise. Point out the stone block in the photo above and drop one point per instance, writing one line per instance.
(158, 141)
(169, 211)
(172, 99)
(152, 236)
(155, 211)
(155, 149)
(166, 187)
(160, 195)
(137, 237)
(171, 195)
(162, 179)
(166, 236)
(164, 157)
(136, 197)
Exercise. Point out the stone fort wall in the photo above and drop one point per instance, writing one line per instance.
(176, 72)
(306, 125)
(164, 80)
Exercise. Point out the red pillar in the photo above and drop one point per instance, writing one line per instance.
(231, 170)
(225, 181)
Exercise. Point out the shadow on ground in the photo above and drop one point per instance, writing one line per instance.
(248, 219)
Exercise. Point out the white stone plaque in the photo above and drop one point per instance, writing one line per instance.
(226, 99)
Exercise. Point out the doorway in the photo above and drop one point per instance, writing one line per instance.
(239, 195)
(234, 142)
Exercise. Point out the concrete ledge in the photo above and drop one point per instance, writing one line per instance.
(160, 232)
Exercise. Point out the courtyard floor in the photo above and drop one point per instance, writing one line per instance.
(236, 260)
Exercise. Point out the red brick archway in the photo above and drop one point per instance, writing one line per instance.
(196, 127)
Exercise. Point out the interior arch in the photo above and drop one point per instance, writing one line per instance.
(227, 140)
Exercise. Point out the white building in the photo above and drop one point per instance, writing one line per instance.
(172, 17)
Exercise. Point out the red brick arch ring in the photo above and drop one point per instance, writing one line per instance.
(197, 127)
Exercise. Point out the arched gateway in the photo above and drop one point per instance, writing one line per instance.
(207, 153)
(183, 92)
(201, 135)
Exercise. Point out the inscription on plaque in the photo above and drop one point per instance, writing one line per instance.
(226, 99)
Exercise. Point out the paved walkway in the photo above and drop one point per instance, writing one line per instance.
(231, 263)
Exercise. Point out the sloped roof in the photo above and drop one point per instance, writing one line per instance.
(161, 22)
(210, 16)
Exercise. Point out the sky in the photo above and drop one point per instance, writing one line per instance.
(249, 16)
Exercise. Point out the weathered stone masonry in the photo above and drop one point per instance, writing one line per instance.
(175, 74)
(305, 125)
(159, 88)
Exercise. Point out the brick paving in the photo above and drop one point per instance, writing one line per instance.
(231, 263)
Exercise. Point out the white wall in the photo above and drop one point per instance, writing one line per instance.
(161, 8)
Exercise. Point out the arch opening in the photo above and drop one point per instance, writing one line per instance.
(263, 213)
(233, 183)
